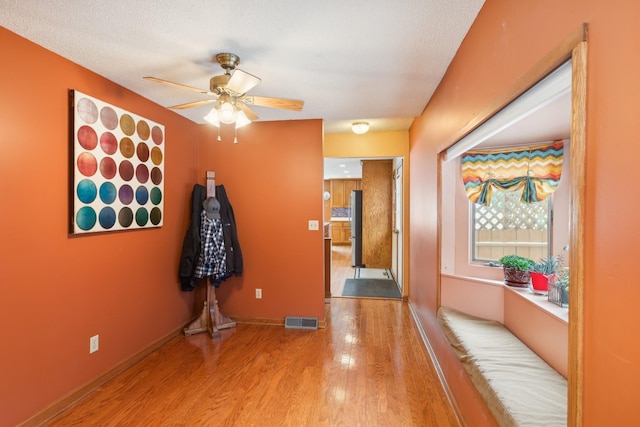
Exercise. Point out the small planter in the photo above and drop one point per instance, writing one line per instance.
(540, 281)
(516, 278)
(516, 270)
(558, 294)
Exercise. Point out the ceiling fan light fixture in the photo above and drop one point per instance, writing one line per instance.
(232, 102)
(241, 119)
(360, 127)
(227, 112)
(212, 117)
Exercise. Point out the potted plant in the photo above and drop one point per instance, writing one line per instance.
(516, 270)
(543, 272)
(559, 286)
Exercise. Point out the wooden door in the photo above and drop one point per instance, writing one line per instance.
(377, 183)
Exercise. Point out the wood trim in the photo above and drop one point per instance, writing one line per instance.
(322, 323)
(576, 231)
(539, 71)
(258, 321)
(74, 396)
(441, 158)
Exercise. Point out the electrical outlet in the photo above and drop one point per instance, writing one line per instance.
(314, 225)
(94, 343)
(258, 293)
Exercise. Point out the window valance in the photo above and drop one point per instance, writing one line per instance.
(534, 169)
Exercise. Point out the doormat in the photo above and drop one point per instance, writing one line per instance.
(371, 273)
(371, 288)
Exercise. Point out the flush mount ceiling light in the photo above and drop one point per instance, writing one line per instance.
(360, 127)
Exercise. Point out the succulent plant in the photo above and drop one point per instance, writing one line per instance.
(517, 262)
(547, 265)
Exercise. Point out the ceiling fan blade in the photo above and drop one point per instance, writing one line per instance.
(179, 85)
(242, 82)
(192, 104)
(247, 111)
(282, 103)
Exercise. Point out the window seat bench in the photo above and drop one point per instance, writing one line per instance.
(519, 388)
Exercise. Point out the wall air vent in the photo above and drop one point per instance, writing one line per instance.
(292, 322)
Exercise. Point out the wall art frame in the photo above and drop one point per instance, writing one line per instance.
(117, 168)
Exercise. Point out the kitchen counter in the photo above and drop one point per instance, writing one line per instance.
(340, 229)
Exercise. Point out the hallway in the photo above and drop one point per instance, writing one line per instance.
(341, 270)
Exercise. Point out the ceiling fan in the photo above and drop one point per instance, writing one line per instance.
(229, 92)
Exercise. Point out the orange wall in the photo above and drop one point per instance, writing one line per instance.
(370, 144)
(58, 290)
(274, 180)
(505, 41)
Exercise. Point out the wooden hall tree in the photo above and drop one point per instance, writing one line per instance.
(210, 319)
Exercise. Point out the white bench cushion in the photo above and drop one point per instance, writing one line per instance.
(519, 387)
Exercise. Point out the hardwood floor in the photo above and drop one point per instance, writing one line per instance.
(368, 367)
(340, 268)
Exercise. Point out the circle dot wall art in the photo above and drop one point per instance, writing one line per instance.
(118, 168)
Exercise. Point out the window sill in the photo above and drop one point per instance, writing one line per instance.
(475, 279)
(541, 302)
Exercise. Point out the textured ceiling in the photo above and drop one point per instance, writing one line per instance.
(348, 60)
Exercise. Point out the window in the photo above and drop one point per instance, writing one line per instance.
(509, 226)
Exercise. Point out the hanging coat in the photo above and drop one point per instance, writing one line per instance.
(191, 242)
(235, 263)
(191, 246)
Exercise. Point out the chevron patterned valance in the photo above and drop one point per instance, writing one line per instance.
(534, 169)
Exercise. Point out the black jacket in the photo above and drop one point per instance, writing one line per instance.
(232, 245)
(191, 243)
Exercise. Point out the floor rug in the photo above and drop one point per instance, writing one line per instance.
(372, 273)
(371, 288)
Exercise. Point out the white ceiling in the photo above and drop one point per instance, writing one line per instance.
(348, 60)
(377, 61)
(336, 168)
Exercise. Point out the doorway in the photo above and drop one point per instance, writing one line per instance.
(396, 249)
(341, 172)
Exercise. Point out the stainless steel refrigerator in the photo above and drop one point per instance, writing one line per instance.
(355, 203)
